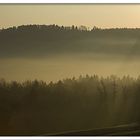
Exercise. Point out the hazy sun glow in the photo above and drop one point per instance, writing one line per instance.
(101, 15)
(65, 63)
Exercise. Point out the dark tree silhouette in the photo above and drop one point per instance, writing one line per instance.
(36, 108)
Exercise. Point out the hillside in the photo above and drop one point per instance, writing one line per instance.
(44, 40)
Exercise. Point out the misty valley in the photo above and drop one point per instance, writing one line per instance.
(51, 52)
(69, 81)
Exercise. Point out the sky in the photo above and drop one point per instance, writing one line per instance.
(100, 15)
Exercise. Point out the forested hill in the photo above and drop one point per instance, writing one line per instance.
(73, 104)
(32, 40)
(55, 32)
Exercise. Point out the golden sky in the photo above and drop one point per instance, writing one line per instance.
(101, 15)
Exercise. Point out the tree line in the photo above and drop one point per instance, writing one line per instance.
(41, 40)
(38, 108)
(52, 31)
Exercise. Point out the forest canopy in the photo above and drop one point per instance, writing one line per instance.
(41, 40)
(38, 108)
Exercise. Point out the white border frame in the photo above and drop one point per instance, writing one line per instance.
(67, 138)
(69, 2)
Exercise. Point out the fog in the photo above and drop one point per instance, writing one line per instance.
(58, 67)
(51, 53)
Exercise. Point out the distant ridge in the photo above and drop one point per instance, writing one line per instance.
(81, 27)
(41, 40)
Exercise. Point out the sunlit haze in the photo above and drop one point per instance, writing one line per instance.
(101, 15)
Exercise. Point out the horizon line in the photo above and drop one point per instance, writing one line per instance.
(88, 28)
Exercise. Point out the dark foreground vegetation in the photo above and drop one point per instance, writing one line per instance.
(90, 102)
